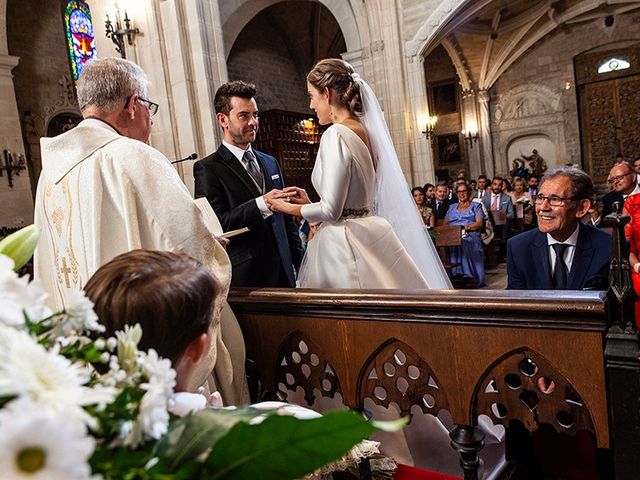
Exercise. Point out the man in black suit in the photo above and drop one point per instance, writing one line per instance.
(562, 253)
(441, 203)
(240, 184)
(622, 180)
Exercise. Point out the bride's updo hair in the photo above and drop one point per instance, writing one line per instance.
(337, 75)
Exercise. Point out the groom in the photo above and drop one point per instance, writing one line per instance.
(240, 184)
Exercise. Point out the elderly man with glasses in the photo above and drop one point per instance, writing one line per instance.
(103, 191)
(562, 253)
(622, 181)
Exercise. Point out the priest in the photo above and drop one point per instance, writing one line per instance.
(103, 191)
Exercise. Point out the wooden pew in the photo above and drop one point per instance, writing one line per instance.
(455, 347)
(567, 359)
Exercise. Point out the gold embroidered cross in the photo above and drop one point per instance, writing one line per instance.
(65, 271)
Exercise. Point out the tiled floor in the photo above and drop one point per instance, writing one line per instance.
(497, 278)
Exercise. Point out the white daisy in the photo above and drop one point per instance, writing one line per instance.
(153, 417)
(27, 369)
(6, 268)
(77, 317)
(38, 443)
(128, 347)
(19, 297)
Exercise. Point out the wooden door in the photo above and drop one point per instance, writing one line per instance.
(609, 104)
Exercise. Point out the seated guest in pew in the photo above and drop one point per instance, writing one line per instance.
(497, 200)
(562, 253)
(426, 213)
(623, 182)
(469, 255)
(440, 204)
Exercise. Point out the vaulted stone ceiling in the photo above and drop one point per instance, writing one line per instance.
(487, 36)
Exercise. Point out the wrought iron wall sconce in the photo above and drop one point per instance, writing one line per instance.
(470, 137)
(13, 164)
(430, 126)
(118, 34)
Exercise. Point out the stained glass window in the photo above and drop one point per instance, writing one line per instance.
(80, 39)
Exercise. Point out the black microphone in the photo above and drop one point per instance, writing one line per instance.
(193, 156)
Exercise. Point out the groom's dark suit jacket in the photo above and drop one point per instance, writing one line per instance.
(266, 255)
(528, 264)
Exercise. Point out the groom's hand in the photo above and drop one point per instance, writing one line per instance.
(274, 194)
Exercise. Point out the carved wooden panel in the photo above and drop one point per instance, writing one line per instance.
(524, 386)
(395, 373)
(299, 364)
(599, 118)
(629, 99)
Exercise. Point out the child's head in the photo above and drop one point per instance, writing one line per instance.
(170, 295)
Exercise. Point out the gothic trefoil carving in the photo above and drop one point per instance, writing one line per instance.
(301, 365)
(524, 386)
(395, 373)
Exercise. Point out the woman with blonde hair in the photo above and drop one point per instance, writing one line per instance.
(370, 234)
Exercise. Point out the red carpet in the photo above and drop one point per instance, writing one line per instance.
(405, 472)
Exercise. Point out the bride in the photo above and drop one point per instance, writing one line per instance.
(370, 234)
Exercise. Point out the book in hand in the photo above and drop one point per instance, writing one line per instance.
(233, 233)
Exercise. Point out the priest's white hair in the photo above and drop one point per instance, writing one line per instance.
(107, 83)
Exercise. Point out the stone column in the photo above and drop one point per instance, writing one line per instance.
(389, 78)
(470, 124)
(16, 204)
(484, 131)
(423, 170)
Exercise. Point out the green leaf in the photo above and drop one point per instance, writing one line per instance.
(283, 447)
(20, 245)
(390, 425)
(195, 434)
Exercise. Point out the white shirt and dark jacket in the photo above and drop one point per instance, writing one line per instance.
(531, 260)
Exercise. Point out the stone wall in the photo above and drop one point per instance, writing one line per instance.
(276, 50)
(536, 96)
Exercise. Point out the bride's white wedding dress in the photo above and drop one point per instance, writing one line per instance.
(352, 248)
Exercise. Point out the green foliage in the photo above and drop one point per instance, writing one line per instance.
(284, 447)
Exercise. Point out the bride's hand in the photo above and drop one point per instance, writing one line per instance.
(282, 205)
(297, 195)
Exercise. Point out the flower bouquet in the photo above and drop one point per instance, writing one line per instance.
(74, 405)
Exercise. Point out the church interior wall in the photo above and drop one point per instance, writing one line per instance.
(549, 65)
(276, 50)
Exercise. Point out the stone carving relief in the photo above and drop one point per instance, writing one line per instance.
(526, 101)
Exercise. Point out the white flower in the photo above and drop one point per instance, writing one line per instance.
(6, 268)
(153, 416)
(128, 347)
(38, 443)
(77, 317)
(27, 369)
(17, 297)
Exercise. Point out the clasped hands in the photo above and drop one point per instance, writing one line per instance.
(286, 200)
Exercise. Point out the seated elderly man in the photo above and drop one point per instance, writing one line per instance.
(562, 253)
(623, 182)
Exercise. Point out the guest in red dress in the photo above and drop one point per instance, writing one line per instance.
(632, 233)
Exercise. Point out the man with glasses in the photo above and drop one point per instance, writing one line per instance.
(562, 253)
(622, 181)
(103, 191)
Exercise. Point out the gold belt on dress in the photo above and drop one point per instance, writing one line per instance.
(355, 212)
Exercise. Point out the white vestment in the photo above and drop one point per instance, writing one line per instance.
(101, 194)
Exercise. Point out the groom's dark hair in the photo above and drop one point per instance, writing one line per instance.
(237, 88)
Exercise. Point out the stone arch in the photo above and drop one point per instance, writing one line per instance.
(244, 11)
(438, 19)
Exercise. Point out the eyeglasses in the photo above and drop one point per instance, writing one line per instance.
(463, 191)
(152, 106)
(554, 200)
(618, 178)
